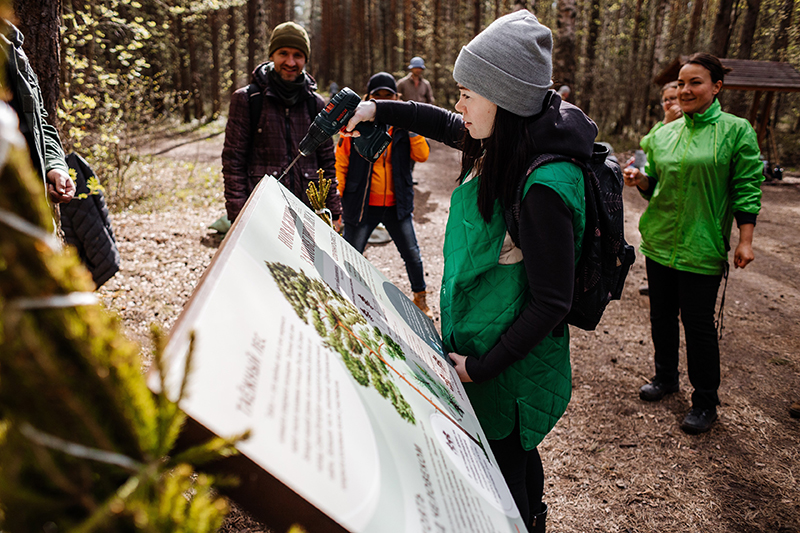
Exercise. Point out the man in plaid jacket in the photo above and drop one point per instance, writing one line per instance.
(266, 146)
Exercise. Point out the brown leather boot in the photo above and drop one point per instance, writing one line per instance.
(419, 301)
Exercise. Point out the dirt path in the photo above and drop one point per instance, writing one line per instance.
(613, 463)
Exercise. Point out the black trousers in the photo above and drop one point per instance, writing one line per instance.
(522, 469)
(694, 297)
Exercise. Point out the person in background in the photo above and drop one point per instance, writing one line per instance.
(44, 144)
(413, 87)
(564, 91)
(702, 173)
(288, 103)
(503, 304)
(382, 192)
(672, 111)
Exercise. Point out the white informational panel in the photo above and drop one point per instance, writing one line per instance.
(352, 405)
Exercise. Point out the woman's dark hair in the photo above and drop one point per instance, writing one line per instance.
(505, 155)
(711, 64)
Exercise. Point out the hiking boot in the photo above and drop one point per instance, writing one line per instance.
(421, 302)
(794, 410)
(657, 389)
(699, 420)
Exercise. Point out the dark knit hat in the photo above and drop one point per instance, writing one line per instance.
(290, 35)
(382, 80)
(509, 63)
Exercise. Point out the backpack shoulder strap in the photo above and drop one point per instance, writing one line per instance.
(255, 103)
(311, 104)
(511, 213)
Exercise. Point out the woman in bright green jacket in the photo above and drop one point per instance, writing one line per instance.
(702, 172)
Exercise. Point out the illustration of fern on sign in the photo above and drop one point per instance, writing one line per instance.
(438, 389)
(364, 349)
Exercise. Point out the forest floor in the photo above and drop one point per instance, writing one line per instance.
(613, 463)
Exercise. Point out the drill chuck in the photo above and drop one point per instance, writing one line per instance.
(313, 139)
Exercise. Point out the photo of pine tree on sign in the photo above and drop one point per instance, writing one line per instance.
(345, 331)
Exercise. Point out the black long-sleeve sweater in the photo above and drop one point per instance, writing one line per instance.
(545, 224)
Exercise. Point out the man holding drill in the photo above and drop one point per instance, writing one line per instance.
(267, 121)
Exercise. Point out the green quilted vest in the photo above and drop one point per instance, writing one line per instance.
(481, 298)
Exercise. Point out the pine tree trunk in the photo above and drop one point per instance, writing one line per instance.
(694, 26)
(722, 27)
(198, 106)
(407, 29)
(252, 35)
(216, 66)
(587, 92)
(360, 50)
(391, 30)
(277, 13)
(657, 29)
(438, 40)
(632, 71)
(749, 29)
(324, 55)
(184, 77)
(233, 47)
(781, 42)
(39, 22)
(564, 52)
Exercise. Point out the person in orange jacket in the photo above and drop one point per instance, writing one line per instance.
(383, 192)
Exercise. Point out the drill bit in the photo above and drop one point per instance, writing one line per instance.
(290, 166)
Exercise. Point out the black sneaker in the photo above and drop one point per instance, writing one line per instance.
(657, 389)
(699, 420)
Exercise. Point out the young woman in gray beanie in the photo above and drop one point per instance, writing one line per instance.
(503, 304)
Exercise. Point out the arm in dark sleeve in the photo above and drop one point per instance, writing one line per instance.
(546, 236)
(427, 120)
(234, 153)
(652, 180)
(745, 218)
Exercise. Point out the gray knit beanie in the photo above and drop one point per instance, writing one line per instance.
(509, 63)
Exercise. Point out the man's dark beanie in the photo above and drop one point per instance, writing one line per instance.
(289, 35)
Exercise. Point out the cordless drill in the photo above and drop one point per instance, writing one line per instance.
(370, 145)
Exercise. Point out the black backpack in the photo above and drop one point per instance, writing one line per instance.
(606, 257)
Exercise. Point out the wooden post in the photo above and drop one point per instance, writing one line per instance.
(754, 108)
(762, 125)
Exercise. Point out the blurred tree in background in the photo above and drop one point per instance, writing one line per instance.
(126, 64)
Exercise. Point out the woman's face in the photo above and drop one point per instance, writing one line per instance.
(696, 92)
(669, 98)
(478, 113)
